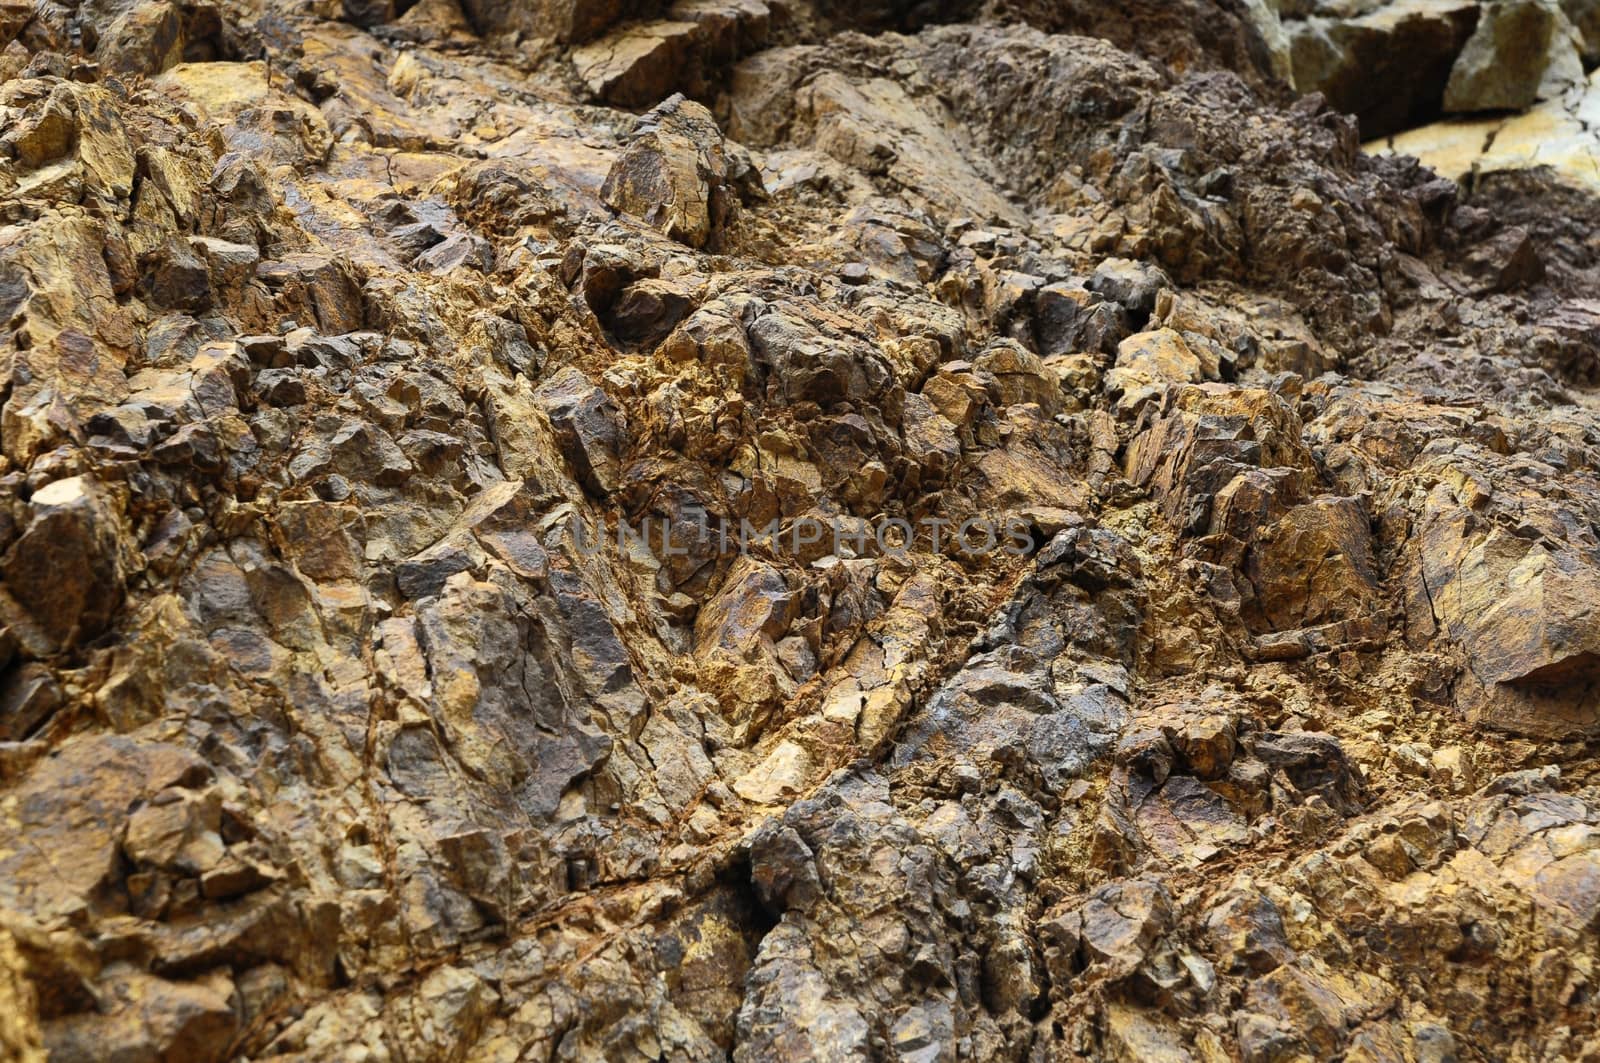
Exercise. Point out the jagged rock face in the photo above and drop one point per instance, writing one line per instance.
(943, 531)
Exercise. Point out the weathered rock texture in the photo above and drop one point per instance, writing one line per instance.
(341, 716)
(1400, 63)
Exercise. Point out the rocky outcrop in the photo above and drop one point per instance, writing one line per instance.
(1522, 51)
(1387, 63)
(678, 175)
(1397, 64)
(941, 531)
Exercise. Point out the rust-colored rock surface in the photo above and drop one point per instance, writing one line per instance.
(793, 530)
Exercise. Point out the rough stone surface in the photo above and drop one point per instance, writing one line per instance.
(1521, 51)
(487, 574)
(1397, 64)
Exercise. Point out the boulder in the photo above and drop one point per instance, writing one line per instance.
(29, 694)
(1132, 285)
(1585, 18)
(146, 38)
(1147, 363)
(1521, 51)
(1386, 63)
(20, 1038)
(65, 571)
(674, 174)
(641, 64)
(1069, 318)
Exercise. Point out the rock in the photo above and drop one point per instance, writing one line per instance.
(1552, 134)
(47, 132)
(563, 20)
(147, 38)
(1311, 1007)
(1315, 765)
(1207, 745)
(314, 289)
(178, 277)
(367, 453)
(368, 13)
(472, 252)
(1019, 376)
(177, 832)
(1518, 615)
(646, 312)
(781, 776)
(230, 265)
(640, 63)
(1521, 51)
(1454, 766)
(1249, 933)
(1051, 551)
(1505, 261)
(1069, 319)
(1121, 923)
(782, 869)
(29, 694)
(1344, 586)
(589, 428)
(802, 363)
(931, 440)
(1386, 63)
(1241, 430)
(754, 604)
(1132, 285)
(19, 1032)
(1585, 18)
(1149, 361)
(64, 568)
(151, 1017)
(674, 174)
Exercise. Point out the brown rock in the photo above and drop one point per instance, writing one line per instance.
(588, 426)
(29, 694)
(325, 732)
(674, 174)
(145, 39)
(152, 1018)
(48, 130)
(1387, 64)
(564, 20)
(20, 1038)
(65, 568)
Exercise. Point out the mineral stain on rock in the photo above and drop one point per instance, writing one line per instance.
(411, 413)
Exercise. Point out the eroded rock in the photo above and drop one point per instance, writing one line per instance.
(1049, 552)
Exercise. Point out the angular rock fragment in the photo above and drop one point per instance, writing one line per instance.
(588, 426)
(1387, 63)
(146, 38)
(1521, 51)
(64, 573)
(674, 174)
